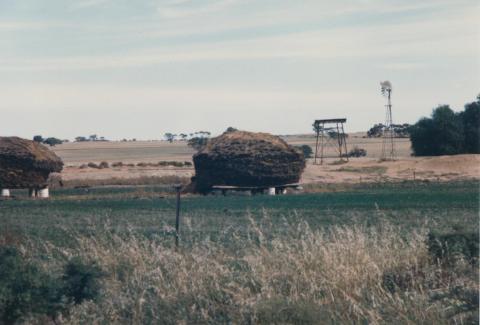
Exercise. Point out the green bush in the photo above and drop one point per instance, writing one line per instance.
(306, 150)
(447, 248)
(357, 152)
(26, 290)
(92, 165)
(81, 281)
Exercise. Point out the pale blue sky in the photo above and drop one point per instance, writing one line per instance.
(123, 68)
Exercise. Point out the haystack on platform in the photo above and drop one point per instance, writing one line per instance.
(26, 164)
(246, 159)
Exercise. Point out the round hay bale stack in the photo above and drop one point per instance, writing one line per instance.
(25, 163)
(246, 159)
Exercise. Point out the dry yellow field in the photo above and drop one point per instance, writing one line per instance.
(78, 153)
(356, 170)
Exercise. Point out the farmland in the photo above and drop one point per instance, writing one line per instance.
(150, 210)
(243, 258)
(140, 163)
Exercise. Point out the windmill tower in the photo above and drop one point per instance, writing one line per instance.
(388, 143)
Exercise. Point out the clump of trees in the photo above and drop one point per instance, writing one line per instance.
(51, 141)
(92, 137)
(170, 137)
(447, 132)
(400, 130)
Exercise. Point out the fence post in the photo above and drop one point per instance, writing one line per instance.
(178, 187)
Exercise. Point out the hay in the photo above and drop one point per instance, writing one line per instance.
(246, 159)
(25, 163)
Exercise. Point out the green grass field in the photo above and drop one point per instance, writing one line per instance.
(336, 254)
(151, 210)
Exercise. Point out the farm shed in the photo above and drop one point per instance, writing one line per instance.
(246, 159)
(26, 164)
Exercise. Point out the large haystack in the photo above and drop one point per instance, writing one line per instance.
(25, 163)
(246, 159)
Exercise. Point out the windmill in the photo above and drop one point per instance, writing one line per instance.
(388, 143)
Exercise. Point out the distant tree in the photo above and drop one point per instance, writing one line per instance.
(183, 136)
(169, 137)
(376, 131)
(316, 127)
(81, 139)
(442, 134)
(197, 143)
(230, 129)
(38, 138)
(93, 137)
(471, 124)
(306, 150)
(401, 130)
(52, 141)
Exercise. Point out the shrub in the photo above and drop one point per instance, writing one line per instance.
(92, 165)
(38, 138)
(306, 150)
(26, 290)
(176, 163)
(103, 164)
(197, 143)
(117, 164)
(187, 163)
(52, 141)
(357, 152)
(447, 248)
(81, 280)
(142, 164)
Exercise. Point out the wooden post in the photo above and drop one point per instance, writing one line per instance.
(178, 187)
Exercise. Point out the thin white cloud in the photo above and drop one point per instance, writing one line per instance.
(86, 4)
(187, 8)
(451, 37)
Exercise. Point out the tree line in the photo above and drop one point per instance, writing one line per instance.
(446, 132)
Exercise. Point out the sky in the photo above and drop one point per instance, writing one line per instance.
(139, 69)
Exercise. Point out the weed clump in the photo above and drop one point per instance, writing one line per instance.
(450, 247)
(27, 290)
(103, 165)
(92, 165)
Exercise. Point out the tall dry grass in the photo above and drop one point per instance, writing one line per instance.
(351, 274)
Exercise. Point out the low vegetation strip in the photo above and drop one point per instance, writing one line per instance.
(346, 274)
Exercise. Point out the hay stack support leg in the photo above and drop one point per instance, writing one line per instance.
(43, 193)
